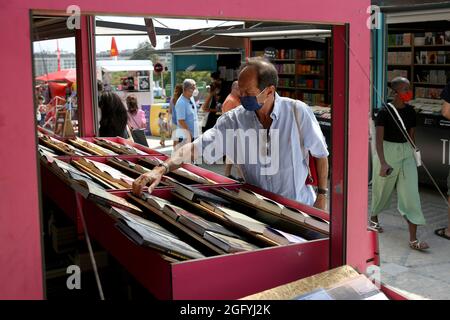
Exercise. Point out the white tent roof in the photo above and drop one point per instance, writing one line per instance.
(125, 65)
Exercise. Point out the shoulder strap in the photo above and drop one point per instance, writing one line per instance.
(297, 118)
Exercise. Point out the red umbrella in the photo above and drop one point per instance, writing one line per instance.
(68, 75)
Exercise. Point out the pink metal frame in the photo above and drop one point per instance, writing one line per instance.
(20, 250)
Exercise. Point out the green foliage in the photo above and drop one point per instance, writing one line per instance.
(115, 77)
(201, 77)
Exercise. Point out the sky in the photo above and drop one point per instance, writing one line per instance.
(103, 43)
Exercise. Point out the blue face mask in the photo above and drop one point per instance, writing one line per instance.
(250, 103)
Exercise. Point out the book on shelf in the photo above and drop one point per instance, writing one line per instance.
(306, 219)
(288, 212)
(282, 238)
(401, 39)
(63, 169)
(429, 39)
(106, 173)
(90, 147)
(129, 167)
(200, 225)
(439, 38)
(447, 38)
(152, 235)
(432, 57)
(399, 58)
(45, 152)
(423, 57)
(118, 148)
(228, 244)
(259, 201)
(60, 146)
(441, 57)
(196, 194)
(169, 209)
(429, 93)
(252, 225)
(96, 193)
(156, 202)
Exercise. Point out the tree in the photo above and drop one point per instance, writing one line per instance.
(144, 51)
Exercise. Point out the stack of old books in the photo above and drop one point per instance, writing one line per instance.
(153, 235)
(208, 233)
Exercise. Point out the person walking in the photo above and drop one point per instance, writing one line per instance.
(395, 166)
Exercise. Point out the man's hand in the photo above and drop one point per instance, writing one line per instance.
(153, 177)
(384, 169)
(321, 202)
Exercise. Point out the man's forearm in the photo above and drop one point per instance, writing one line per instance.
(185, 154)
(322, 172)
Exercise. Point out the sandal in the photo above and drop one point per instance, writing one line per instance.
(418, 245)
(441, 233)
(376, 226)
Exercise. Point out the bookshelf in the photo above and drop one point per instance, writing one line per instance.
(423, 58)
(303, 68)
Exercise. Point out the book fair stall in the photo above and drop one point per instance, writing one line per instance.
(199, 235)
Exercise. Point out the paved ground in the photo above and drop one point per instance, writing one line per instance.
(426, 274)
(420, 275)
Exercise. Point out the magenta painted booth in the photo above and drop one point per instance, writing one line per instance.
(21, 254)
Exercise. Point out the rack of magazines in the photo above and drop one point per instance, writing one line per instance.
(199, 235)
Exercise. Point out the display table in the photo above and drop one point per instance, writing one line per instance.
(223, 276)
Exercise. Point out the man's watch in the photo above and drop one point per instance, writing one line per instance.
(165, 165)
(322, 191)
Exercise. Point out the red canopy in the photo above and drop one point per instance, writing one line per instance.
(68, 75)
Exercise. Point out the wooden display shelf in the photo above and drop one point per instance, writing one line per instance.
(228, 276)
(400, 65)
(283, 60)
(311, 60)
(429, 84)
(432, 65)
(400, 47)
(311, 74)
(287, 88)
(311, 89)
(433, 46)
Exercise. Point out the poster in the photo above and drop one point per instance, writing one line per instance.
(146, 109)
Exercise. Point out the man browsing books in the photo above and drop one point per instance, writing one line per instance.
(269, 137)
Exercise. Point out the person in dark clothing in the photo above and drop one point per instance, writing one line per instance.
(394, 164)
(114, 116)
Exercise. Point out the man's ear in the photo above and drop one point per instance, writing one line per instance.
(272, 90)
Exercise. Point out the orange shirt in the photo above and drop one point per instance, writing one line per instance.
(230, 103)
